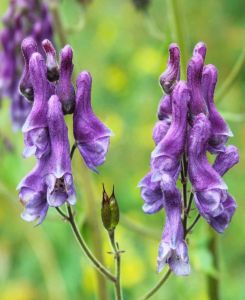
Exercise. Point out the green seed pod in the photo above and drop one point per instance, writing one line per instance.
(109, 211)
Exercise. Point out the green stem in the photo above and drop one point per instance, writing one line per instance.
(117, 256)
(175, 9)
(157, 286)
(86, 249)
(213, 282)
(231, 78)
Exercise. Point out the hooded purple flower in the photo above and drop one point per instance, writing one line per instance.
(51, 61)
(171, 75)
(35, 128)
(173, 249)
(59, 175)
(91, 135)
(194, 80)
(28, 46)
(152, 195)
(65, 89)
(33, 194)
(165, 159)
(210, 191)
(220, 130)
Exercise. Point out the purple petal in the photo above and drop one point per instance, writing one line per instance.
(91, 135)
(51, 61)
(171, 75)
(220, 130)
(201, 49)
(194, 80)
(226, 160)
(65, 89)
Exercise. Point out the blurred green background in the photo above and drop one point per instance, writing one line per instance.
(125, 50)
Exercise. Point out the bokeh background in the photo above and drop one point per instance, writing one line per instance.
(126, 50)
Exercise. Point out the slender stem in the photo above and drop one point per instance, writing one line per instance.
(189, 229)
(157, 286)
(74, 147)
(230, 79)
(117, 256)
(86, 249)
(213, 282)
(189, 204)
(62, 213)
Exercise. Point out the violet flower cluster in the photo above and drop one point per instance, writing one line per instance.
(23, 18)
(49, 85)
(189, 126)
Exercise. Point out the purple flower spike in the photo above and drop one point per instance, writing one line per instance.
(33, 196)
(165, 159)
(173, 249)
(194, 80)
(35, 128)
(201, 49)
(28, 46)
(65, 89)
(220, 130)
(152, 195)
(172, 73)
(59, 176)
(51, 61)
(91, 135)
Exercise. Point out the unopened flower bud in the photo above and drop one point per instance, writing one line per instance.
(51, 61)
(109, 211)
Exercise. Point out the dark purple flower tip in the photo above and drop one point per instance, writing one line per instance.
(201, 49)
(65, 89)
(226, 160)
(166, 156)
(51, 61)
(59, 175)
(172, 73)
(35, 127)
(32, 194)
(91, 135)
(194, 80)
(152, 195)
(28, 47)
(220, 130)
(165, 108)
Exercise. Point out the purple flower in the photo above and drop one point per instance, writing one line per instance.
(171, 75)
(220, 130)
(28, 46)
(33, 194)
(152, 195)
(51, 61)
(24, 18)
(91, 135)
(173, 249)
(35, 128)
(194, 80)
(210, 191)
(65, 89)
(59, 175)
(165, 159)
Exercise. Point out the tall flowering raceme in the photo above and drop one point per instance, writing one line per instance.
(24, 18)
(49, 84)
(188, 127)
